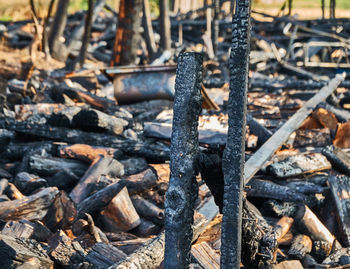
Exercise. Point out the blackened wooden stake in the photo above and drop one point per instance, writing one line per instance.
(233, 159)
(183, 189)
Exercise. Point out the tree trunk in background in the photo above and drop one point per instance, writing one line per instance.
(127, 37)
(45, 41)
(175, 6)
(332, 9)
(148, 30)
(322, 7)
(57, 48)
(87, 33)
(165, 38)
(215, 26)
(290, 2)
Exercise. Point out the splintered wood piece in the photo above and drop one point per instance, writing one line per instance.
(129, 246)
(100, 199)
(95, 120)
(24, 111)
(61, 213)
(13, 192)
(325, 118)
(33, 207)
(27, 229)
(120, 214)
(338, 158)
(309, 222)
(104, 255)
(340, 187)
(342, 137)
(300, 164)
(301, 246)
(314, 138)
(63, 251)
(142, 181)
(293, 264)
(86, 153)
(254, 163)
(86, 185)
(270, 240)
(205, 256)
(148, 210)
(310, 123)
(15, 252)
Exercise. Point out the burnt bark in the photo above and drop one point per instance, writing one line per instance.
(233, 159)
(127, 36)
(57, 48)
(182, 191)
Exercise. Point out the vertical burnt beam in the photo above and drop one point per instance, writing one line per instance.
(127, 36)
(183, 189)
(233, 158)
(215, 26)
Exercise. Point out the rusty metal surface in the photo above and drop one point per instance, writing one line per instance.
(142, 83)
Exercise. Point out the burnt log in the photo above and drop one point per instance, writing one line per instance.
(32, 207)
(148, 210)
(95, 120)
(268, 189)
(338, 158)
(120, 214)
(15, 252)
(141, 182)
(100, 199)
(86, 185)
(48, 166)
(27, 183)
(87, 153)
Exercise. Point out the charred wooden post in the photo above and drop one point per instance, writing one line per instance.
(182, 190)
(165, 35)
(233, 159)
(127, 36)
(148, 30)
(340, 187)
(57, 48)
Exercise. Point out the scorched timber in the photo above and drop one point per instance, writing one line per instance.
(183, 188)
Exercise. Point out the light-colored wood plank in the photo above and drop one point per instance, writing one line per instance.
(206, 256)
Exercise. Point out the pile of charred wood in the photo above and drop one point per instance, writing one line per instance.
(85, 155)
